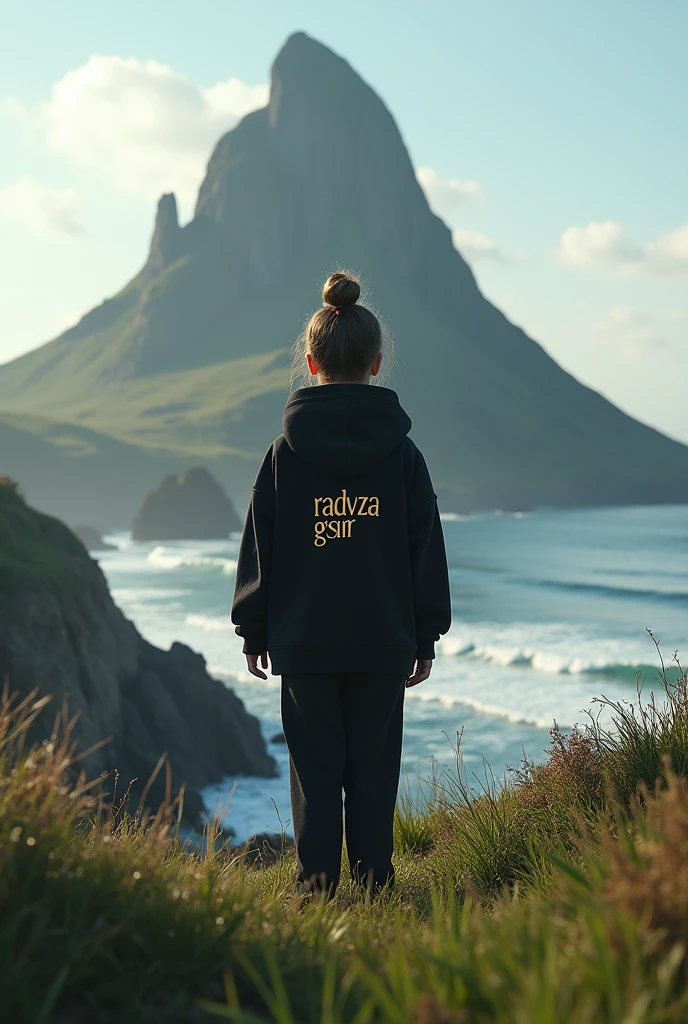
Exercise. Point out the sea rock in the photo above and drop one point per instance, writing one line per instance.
(92, 539)
(61, 633)
(191, 506)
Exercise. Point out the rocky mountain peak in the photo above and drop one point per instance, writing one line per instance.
(327, 121)
(165, 244)
(322, 168)
(307, 72)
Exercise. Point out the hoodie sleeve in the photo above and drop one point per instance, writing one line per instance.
(431, 596)
(249, 609)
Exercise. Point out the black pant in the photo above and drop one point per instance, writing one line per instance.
(343, 731)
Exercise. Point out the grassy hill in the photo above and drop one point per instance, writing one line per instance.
(548, 900)
(82, 475)
(191, 356)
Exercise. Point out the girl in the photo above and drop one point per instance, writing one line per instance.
(342, 579)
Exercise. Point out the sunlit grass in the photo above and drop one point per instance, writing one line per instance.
(560, 896)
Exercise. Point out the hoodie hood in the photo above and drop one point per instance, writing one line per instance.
(344, 430)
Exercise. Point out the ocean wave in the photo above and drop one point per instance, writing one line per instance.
(524, 514)
(242, 676)
(547, 662)
(457, 517)
(119, 540)
(425, 696)
(146, 594)
(168, 558)
(211, 623)
(493, 710)
(603, 589)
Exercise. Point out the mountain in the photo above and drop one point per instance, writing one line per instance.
(191, 357)
(77, 473)
(61, 633)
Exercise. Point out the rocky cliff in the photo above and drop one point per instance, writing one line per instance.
(61, 632)
(191, 355)
(165, 245)
(191, 506)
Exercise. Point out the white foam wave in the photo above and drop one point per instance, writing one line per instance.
(242, 676)
(458, 517)
(450, 701)
(168, 558)
(211, 623)
(143, 594)
(453, 646)
(547, 662)
(119, 540)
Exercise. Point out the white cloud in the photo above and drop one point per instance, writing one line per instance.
(598, 242)
(44, 210)
(474, 246)
(145, 128)
(12, 109)
(627, 316)
(444, 194)
(669, 254)
(605, 242)
(634, 330)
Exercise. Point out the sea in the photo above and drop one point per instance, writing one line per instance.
(550, 611)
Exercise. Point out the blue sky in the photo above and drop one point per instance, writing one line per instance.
(552, 138)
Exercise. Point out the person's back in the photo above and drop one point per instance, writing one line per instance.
(342, 578)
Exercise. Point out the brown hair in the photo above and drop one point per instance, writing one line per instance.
(344, 337)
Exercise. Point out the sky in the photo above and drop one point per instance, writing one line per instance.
(551, 137)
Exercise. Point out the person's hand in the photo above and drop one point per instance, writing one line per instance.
(252, 663)
(421, 670)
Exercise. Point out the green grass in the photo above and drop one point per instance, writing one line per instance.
(80, 475)
(559, 898)
(35, 549)
(183, 411)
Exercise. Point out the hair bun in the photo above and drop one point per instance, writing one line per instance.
(341, 290)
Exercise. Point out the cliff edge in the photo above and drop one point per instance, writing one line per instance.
(61, 633)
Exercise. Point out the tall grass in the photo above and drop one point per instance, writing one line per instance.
(559, 896)
(644, 733)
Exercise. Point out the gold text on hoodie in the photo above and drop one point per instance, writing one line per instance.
(345, 509)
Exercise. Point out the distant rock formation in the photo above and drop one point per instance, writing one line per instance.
(166, 242)
(192, 506)
(61, 633)
(92, 539)
(79, 475)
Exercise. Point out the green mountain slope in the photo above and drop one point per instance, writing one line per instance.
(82, 475)
(192, 354)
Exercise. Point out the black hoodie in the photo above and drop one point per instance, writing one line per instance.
(342, 566)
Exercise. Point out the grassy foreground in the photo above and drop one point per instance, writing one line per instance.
(560, 899)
